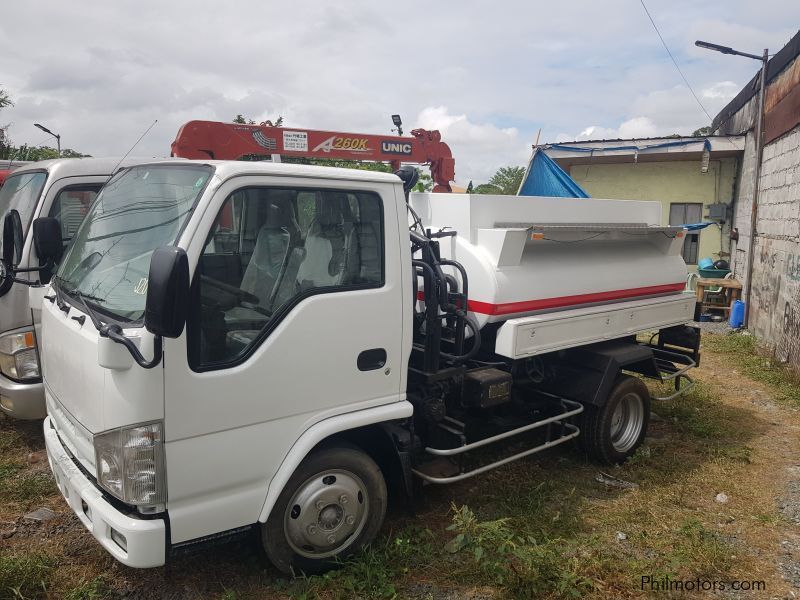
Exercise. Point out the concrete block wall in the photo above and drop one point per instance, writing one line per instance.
(775, 315)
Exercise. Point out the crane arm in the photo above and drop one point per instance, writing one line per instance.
(231, 141)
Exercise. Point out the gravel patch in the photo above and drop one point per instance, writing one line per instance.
(721, 328)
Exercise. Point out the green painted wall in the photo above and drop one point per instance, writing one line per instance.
(667, 182)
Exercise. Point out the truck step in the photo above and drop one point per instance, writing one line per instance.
(558, 431)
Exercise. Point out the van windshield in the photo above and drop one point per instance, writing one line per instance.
(139, 210)
(21, 192)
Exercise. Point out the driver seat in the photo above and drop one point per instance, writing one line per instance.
(275, 242)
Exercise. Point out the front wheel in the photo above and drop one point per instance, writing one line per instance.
(612, 433)
(332, 506)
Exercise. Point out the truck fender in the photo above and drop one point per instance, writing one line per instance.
(319, 432)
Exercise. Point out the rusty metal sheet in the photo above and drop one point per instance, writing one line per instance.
(780, 87)
(784, 116)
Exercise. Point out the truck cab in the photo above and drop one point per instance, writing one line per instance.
(63, 189)
(296, 332)
(236, 344)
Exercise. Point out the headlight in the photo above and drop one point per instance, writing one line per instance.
(130, 464)
(18, 357)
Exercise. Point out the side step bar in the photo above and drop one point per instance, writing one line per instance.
(569, 431)
(666, 364)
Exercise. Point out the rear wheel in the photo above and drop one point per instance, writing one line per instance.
(613, 432)
(332, 506)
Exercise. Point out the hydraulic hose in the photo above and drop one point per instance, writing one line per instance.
(476, 343)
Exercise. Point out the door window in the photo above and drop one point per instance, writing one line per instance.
(687, 214)
(268, 249)
(70, 207)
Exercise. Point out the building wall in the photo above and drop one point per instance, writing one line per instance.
(775, 316)
(775, 294)
(668, 182)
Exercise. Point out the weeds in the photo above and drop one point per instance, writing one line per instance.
(25, 577)
(522, 566)
(374, 572)
(744, 353)
(94, 589)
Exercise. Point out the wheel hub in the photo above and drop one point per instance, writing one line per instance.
(627, 422)
(331, 516)
(326, 514)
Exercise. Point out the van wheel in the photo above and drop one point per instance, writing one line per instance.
(612, 433)
(332, 506)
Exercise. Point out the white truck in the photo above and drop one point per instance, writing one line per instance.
(63, 189)
(237, 344)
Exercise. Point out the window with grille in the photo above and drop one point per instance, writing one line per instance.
(686, 213)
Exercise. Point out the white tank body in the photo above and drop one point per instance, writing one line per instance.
(532, 255)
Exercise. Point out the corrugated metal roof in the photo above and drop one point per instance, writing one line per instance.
(645, 139)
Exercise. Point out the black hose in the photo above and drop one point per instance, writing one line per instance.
(476, 343)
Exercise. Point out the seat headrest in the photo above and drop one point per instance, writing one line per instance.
(280, 211)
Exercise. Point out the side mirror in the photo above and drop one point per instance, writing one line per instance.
(47, 240)
(12, 238)
(167, 292)
(12, 250)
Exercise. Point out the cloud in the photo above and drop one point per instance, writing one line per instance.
(488, 76)
(663, 112)
(724, 90)
(479, 148)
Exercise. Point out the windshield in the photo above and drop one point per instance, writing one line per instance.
(21, 192)
(138, 211)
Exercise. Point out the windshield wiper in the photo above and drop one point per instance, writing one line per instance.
(59, 290)
(92, 315)
(114, 332)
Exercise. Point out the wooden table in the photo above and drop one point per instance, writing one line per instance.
(731, 291)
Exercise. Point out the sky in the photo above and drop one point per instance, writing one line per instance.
(489, 75)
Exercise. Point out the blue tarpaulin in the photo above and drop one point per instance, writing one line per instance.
(545, 178)
(698, 226)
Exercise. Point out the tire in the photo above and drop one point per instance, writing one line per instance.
(337, 493)
(612, 433)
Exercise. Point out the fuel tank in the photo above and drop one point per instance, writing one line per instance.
(526, 255)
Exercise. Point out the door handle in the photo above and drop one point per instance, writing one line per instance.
(372, 359)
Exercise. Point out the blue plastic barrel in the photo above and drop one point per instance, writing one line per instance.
(737, 314)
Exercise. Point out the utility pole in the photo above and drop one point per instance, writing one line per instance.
(759, 135)
(55, 135)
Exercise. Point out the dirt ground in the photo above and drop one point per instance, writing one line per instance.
(714, 496)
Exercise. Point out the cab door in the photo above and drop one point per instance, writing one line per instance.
(67, 200)
(296, 317)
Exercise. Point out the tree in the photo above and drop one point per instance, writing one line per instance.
(34, 153)
(506, 181)
(268, 123)
(486, 188)
(425, 183)
(702, 132)
(5, 99)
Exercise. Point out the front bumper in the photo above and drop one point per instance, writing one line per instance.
(22, 400)
(145, 539)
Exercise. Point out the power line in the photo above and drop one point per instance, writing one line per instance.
(674, 62)
(686, 81)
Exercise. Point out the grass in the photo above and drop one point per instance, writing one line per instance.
(743, 352)
(94, 589)
(547, 529)
(542, 527)
(21, 486)
(25, 577)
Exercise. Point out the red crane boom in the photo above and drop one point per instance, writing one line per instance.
(231, 141)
